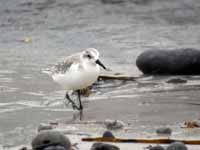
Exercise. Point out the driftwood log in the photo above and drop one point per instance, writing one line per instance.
(109, 75)
(147, 141)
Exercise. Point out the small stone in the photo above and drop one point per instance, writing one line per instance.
(157, 147)
(108, 134)
(43, 126)
(177, 146)
(114, 124)
(103, 146)
(164, 130)
(48, 138)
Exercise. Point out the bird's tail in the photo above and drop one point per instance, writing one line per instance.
(47, 71)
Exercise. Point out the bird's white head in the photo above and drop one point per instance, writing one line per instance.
(91, 55)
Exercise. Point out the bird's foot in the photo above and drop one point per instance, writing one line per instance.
(81, 107)
(66, 103)
(74, 106)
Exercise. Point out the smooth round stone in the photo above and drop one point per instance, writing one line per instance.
(170, 62)
(164, 130)
(103, 146)
(177, 146)
(108, 134)
(157, 147)
(48, 138)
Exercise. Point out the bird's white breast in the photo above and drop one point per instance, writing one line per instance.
(78, 76)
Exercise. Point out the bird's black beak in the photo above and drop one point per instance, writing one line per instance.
(100, 64)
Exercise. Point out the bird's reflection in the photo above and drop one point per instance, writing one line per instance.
(78, 115)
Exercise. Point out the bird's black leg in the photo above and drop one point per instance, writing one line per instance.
(79, 98)
(71, 101)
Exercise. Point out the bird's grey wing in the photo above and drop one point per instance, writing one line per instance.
(64, 65)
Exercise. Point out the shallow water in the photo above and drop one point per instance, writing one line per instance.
(121, 32)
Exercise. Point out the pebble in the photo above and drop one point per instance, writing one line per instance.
(108, 134)
(103, 146)
(48, 138)
(177, 146)
(157, 147)
(164, 130)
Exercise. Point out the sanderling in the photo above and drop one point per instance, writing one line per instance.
(77, 72)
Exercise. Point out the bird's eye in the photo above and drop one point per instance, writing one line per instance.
(89, 56)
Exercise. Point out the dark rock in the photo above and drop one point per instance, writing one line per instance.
(164, 130)
(157, 147)
(108, 134)
(177, 146)
(50, 138)
(177, 80)
(103, 146)
(170, 62)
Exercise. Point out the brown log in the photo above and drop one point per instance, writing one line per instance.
(146, 141)
(115, 76)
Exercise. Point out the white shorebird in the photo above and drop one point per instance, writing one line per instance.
(77, 72)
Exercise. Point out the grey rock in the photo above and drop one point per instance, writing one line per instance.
(164, 130)
(108, 134)
(170, 62)
(157, 147)
(103, 146)
(48, 138)
(177, 146)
